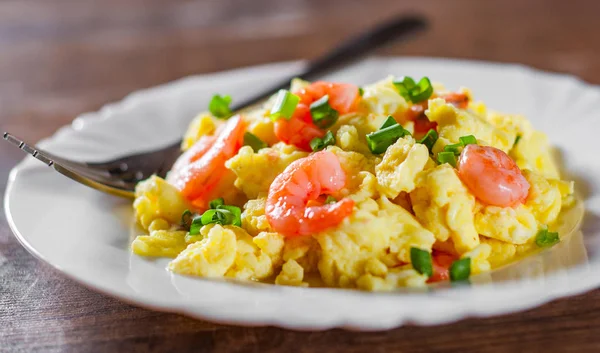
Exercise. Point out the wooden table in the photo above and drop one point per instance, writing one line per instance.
(59, 58)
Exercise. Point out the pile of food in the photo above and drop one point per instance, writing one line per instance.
(398, 183)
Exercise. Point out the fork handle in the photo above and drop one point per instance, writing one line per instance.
(349, 51)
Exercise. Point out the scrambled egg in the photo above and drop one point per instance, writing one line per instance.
(444, 206)
(454, 123)
(376, 238)
(157, 199)
(382, 99)
(401, 163)
(403, 199)
(230, 251)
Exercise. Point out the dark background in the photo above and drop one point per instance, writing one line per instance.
(60, 58)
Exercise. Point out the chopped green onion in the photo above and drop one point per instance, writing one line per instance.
(323, 115)
(544, 238)
(253, 141)
(421, 261)
(517, 139)
(405, 85)
(429, 139)
(196, 225)
(447, 157)
(361, 91)
(285, 105)
(380, 140)
(455, 148)
(330, 199)
(218, 216)
(414, 92)
(219, 106)
(390, 121)
(216, 203)
(460, 270)
(467, 140)
(186, 219)
(237, 214)
(318, 143)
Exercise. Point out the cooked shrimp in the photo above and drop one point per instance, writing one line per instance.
(492, 176)
(459, 100)
(198, 174)
(300, 129)
(441, 267)
(198, 149)
(303, 181)
(416, 113)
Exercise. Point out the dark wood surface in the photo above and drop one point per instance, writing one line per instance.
(59, 58)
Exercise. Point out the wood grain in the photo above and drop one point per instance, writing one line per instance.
(59, 58)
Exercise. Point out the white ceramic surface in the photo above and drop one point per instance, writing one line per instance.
(86, 234)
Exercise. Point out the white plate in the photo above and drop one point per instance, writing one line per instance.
(86, 234)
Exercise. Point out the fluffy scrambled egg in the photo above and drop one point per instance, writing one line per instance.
(403, 199)
(444, 206)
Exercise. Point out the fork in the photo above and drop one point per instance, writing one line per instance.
(120, 176)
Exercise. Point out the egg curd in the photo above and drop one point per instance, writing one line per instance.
(433, 186)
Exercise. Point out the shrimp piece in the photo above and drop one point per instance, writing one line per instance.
(492, 176)
(198, 149)
(302, 182)
(441, 267)
(198, 174)
(458, 99)
(300, 129)
(194, 153)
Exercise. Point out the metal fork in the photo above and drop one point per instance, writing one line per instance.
(120, 176)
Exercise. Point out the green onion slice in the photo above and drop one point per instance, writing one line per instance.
(323, 115)
(544, 238)
(218, 216)
(216, 202)
(463, 141)
(219, 106)
(196, 225)
(253, 141)
(467, 140)
(414, 92)
(361, 91)
(330, 199)
(517, 139)
(429, 139)
(460, 270)
(285, 105)
(380, 140)
(186, 219)
(405, 85)
(447, 157)
(455, 148)
(390, 121)
(318, 144)
(421, 261)
(237, 214)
